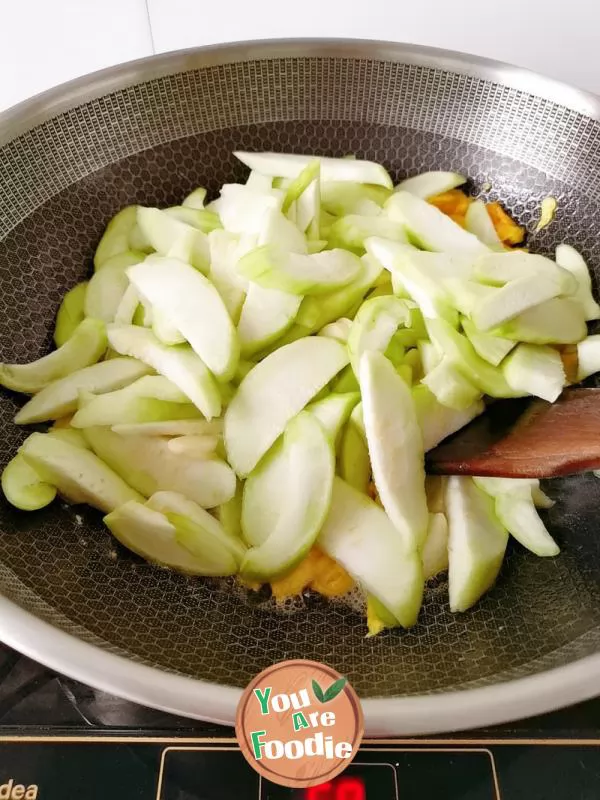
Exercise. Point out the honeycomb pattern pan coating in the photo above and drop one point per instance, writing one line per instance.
(153, 141)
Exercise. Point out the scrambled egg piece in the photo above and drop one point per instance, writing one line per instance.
(507, 229)
(568, 355)
(548, 212)
(374, 623)
(453, 203)
(318, 572)
(63, 422)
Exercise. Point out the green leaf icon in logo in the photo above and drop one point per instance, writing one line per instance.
(318, 692)
(331, 693)
(335, 688)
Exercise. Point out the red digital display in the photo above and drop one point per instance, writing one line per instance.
(343, 788)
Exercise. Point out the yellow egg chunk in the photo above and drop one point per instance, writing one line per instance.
(547, 212)
(331, 580)
(453, 203)
(63, 422)
(507, 229)
(318, 572)
(570, 361)
(374, 623)
(296, 581)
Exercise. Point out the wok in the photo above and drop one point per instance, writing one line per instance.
(149, 132)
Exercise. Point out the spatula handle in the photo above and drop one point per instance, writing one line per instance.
(526, 439)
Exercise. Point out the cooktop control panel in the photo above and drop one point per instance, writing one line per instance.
(127, 767)
(378, 772)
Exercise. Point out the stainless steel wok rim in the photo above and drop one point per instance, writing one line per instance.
(197, 699)
(36, 110)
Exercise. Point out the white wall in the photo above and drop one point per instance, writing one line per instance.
(45, 42)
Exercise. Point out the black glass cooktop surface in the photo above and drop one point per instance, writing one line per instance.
(61, 740)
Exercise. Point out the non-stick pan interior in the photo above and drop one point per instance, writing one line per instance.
(151, 144)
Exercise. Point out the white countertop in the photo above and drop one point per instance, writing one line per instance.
(46, 42)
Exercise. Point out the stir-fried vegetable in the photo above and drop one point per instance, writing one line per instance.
(249, 388)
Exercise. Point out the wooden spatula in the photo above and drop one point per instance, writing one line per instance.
(526, 438)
